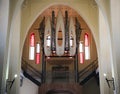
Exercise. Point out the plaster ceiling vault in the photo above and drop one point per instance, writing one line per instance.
(62, 8)
(34, 10)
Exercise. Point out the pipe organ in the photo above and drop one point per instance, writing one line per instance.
(61, 33)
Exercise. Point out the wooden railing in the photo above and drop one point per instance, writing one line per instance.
(87, 71)
(83, 74)
(31, 72)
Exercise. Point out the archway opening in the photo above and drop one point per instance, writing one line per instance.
(72, 63)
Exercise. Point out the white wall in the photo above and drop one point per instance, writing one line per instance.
(115, 35)
(4, 18)
(105, 58)
(14, 46)
(110, 11)
(28, 87)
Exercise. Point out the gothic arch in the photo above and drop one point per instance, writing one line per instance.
(21, 41)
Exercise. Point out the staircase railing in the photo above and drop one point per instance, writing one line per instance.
(36, 75)
(31, 72)
(88, 72)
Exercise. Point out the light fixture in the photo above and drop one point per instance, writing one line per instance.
(109, 81)
(15, 76)
(66, 52)
(10, 82)
(53, 52)
(48, 57)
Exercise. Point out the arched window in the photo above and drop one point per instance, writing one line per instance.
(32, 47)
(81, 52)
(87, 46)
(37, 53)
